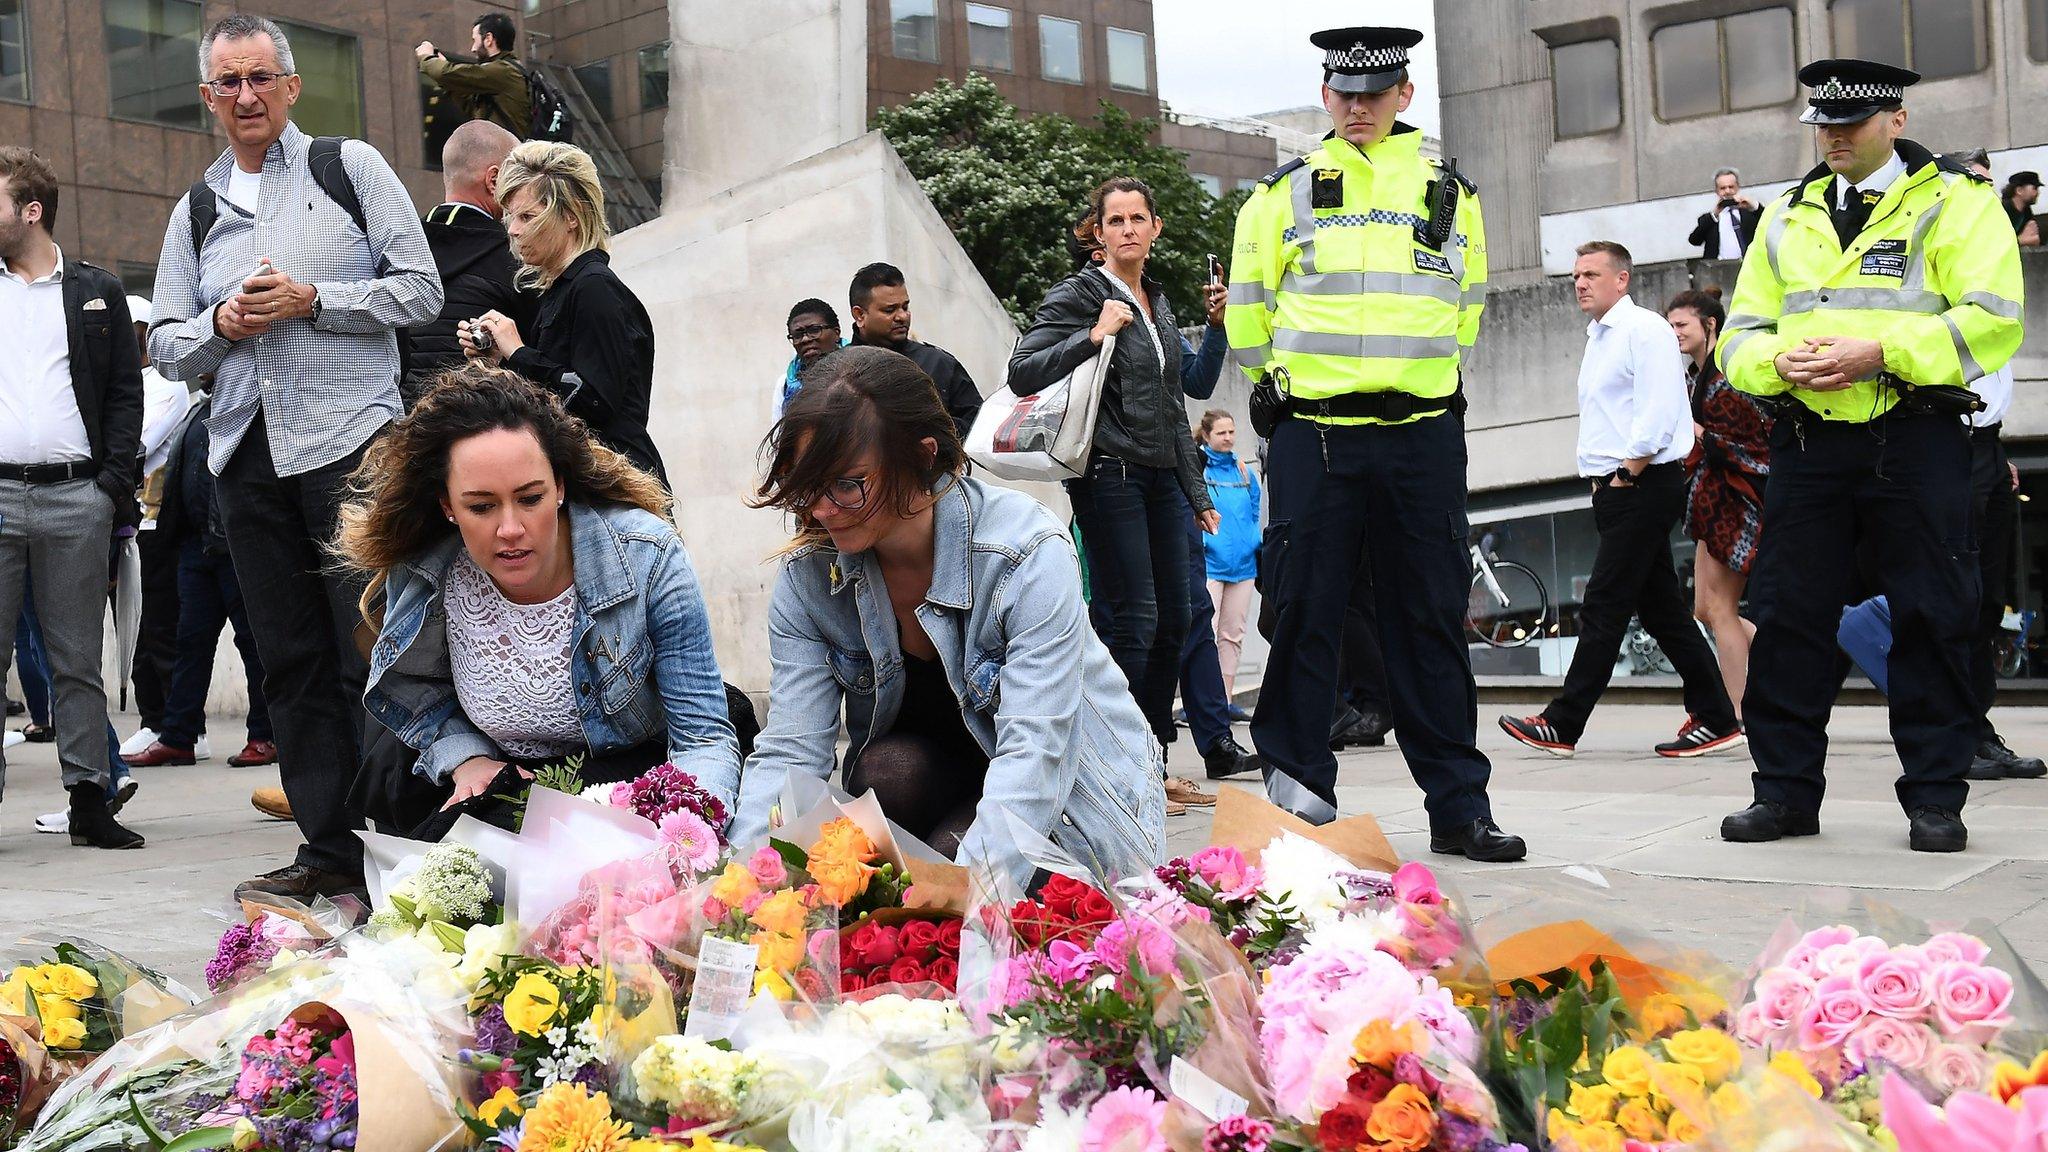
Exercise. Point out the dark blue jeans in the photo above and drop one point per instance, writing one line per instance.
(1404, 487)
(1201, 677)
(34, 669)
(1133, 519)
(208, 598)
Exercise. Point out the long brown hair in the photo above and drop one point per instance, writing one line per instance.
(393, 513)
(856, 400)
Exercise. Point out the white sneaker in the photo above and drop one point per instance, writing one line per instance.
(12, 738)
(54, 823)
(136, 744)
(201, 750)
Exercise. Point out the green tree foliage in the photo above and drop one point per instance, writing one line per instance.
(1011, 187)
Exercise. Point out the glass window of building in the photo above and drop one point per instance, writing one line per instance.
(1586, 80)
(1936, 38)
(1059, 48)
(914, 26)
(2037, 29)
(1708, 67)
(654, 76)
(153, 61)
(597, 84)
(1127, 66)
(1213, 185)
(330, 67)
(988, 39)
(13, 51)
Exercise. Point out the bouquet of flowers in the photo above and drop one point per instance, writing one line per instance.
(571, 1117)
(1850, 1006)
(536, 1024)
(1660, 1094)
(271, 940)
(83, 998)
(687, 814)
(900, 950)
(450, 892)
(1402, 1095)
(27, 1076)
(1226, 888)
(297, 1090)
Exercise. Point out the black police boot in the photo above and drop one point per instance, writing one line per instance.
(1481, 840)
(1768, 820)
(1227, 758)
(1936, 830)
(1355, 729)
(92, 825)
(1994, 761)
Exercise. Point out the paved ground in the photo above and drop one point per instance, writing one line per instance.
(1645, 826)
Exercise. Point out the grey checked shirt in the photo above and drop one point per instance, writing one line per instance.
(323, 386)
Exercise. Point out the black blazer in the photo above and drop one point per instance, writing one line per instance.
(1707, 233)
(106, 378)
(591, 324)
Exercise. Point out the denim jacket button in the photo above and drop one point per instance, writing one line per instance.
(585, 689)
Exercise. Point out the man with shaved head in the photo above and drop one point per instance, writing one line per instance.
(470, 249)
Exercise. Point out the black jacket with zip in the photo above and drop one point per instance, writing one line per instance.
(478, 273)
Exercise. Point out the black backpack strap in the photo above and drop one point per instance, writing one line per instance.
(324, 157)
(202, 209)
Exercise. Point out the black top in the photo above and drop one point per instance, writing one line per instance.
(2018, 216)
(478, 274)
(931, 710)
(957, 390)
(191, 508)
(1707, 233)
(591, 324)
(106, 381)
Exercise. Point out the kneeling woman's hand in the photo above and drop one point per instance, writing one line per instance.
(473, 776)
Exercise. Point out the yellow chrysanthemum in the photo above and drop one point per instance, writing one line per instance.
(1794, 1069)
(1710, 1050)
(1594, 1104)
(532, 1004)
(1628, 1069)
(567, 1118)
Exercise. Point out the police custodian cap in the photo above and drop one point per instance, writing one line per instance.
(1851, 91)
(1365, 60)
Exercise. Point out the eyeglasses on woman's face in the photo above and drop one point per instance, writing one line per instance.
(848, 493)
(808, 331)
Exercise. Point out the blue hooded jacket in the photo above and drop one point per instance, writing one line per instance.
(1233, 552)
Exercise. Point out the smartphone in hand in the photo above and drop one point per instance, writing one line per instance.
(1215, 269)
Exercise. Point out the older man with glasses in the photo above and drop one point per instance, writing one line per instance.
(286, 273)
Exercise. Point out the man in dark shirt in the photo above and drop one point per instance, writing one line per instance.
(471, 252)
(2021, 193)
(881, 317)
(492, 86)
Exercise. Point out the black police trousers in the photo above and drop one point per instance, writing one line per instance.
(1998, 509)
(1897, 490)
(1404, 486)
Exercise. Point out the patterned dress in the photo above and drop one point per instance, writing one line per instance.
(1729, 463)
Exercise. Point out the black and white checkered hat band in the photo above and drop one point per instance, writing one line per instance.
(1359, 58)
(1836, 91)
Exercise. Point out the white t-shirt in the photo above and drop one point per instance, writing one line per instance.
(243, 188)
(1731, 239)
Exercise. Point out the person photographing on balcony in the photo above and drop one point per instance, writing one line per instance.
(492, 87)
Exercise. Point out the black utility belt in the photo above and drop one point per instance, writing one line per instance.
(49, 473)
(1392, 407)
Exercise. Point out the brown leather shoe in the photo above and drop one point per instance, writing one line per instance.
(1173, 809)
(159, 755)
(272, 802)
(254, 754)
(300, 883)
(1179, 791)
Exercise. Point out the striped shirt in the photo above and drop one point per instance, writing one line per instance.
(323, 385)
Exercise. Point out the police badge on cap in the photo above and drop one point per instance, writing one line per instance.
(1851, 91)
(1365, 60)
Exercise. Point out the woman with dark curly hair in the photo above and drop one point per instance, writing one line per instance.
(537, 602)
(1724, 507)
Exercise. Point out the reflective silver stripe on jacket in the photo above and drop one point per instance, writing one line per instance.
(1360, 283)
(1875, 299)
(1972, 371)
(1365, 347)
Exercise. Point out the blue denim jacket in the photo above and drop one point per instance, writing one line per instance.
(643, 662)
(1069, 754)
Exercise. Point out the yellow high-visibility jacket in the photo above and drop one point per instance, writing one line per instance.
(1935, 275)
(1328, 279)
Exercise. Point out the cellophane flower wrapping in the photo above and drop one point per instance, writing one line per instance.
(1856, 991)
(268, 937)
(196, 1070)
(83, 996)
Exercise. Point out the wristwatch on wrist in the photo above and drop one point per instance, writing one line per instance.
(1624, 477)
(314, 316)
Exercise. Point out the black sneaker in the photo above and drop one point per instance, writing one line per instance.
(1696, 739)
(1539, 733)
(1994, 761)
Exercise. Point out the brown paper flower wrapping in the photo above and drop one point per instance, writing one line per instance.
(1248, 822)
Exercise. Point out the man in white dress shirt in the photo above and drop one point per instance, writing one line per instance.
(1635, 431)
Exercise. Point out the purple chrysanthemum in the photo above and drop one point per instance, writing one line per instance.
(243, 948)
(664, 789)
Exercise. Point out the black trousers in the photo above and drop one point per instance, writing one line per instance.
(156, 643)
(1997, 508)
(1633, 577)
(1898, 486)
(1364, 680)
(304, 615)
(1404, 487)
(1134, 525)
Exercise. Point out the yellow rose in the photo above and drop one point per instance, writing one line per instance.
(1730, 1105)
(1561, 1127)
(777, 952)
(1677, 1085)
(69, 981)
(63, 1035)
(1628, 1069)
(1594, 1104)
(1640, 1121)
(54, 1007)
(1603, 1137)
(782, 913)
(1794, 1069)
(494, 1110)
(532, 1004)
(734, 885)
(770, 982)
(1662, 1013)
(14, 993)
(1682, 1129)
(1710, 1050)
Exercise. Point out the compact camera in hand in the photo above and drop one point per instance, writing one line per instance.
(479, 335)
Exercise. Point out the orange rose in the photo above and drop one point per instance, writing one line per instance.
(843, 840)
(841, 882)
(734, 885)
(1379, 1043)
(782, 913)
(1404, 1121)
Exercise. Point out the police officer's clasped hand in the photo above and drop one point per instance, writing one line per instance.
(1116, 316)
(1830, 364)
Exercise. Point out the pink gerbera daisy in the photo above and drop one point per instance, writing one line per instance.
(1125, 1120)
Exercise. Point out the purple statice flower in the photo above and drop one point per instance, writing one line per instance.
(591, 1076)
(493, 1035)
(664, 789)
(1457, 1133)
(243, 948)
(1526, 1012)
(1366, 885)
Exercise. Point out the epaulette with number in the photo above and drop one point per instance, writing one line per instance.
(1282, 172)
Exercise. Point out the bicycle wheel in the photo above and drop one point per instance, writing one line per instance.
(1509, 611)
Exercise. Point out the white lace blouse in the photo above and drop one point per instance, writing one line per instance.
(511, 664)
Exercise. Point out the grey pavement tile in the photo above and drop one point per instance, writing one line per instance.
(1827, 860)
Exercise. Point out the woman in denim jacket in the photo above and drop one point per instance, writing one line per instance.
(537, 603)
(943, 620)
